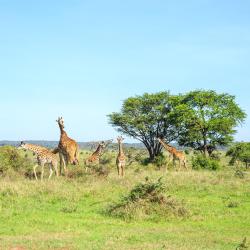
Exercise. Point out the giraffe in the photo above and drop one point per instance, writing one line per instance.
(95, 157)
(44, 156)
(121, 159)
(68, 148)
(175, 153)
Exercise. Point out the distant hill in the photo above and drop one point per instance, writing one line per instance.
(87, 145)
(53, 144)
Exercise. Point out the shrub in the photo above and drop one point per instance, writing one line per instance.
(76, 172)
(160, 160)
(147, 200)
(202, 162)
(135, 156)
(215, 155)
(102, 171)
(71, 208)
(233, 204)
(242, 245)
(12, 160)
(106, 159)
(240, 174)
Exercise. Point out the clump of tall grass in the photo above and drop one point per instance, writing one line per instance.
(147, 200)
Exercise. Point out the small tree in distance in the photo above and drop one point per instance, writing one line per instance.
(240, 152)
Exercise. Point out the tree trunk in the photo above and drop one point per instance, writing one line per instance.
(153, 150)
(205, 150)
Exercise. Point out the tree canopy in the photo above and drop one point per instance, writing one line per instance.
(208, 120)
(146, 118)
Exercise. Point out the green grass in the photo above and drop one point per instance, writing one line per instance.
(70, 213)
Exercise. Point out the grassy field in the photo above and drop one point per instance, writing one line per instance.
(69, 213)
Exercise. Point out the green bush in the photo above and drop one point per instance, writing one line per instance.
(147, 201)
(215, 155)
(202, 162)
(12, 160)
(160, 160)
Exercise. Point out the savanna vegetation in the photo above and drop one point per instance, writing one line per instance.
(154, 206)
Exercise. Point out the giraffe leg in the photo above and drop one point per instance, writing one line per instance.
(42, 171)
(56, 169)
(50, 172)
(185, 164)
(86, 165)
(179, 165)
(118, 170)
(174, 163)
(60, 156)
(168, 163)
(122, 170)
(34, 170)
(64, 166)
(167, 167)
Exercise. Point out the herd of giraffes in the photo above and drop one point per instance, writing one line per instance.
(68, 151)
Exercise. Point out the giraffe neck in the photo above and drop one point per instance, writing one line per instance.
(63, 133)
(33, 148)
(120, 149)
(98, 150)
(169, 149)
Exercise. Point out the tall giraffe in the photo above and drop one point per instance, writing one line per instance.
(68, 148)
(121, 159)
(94, 158)
(44, 156)
(175, 153)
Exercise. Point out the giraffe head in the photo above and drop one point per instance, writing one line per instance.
(102, 144)
(161, 140)
(22, 145)
(60, 122)
(120, 139)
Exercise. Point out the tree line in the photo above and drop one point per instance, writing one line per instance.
(200, 119)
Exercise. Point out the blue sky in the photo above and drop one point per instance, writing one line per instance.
(80, 59)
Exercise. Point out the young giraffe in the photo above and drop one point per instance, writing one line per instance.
(94, 158)
(68, 148)
(121, 159)
(175, 153)
(44, 156)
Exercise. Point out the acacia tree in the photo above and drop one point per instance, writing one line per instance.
(208, 120)
(146, 118)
